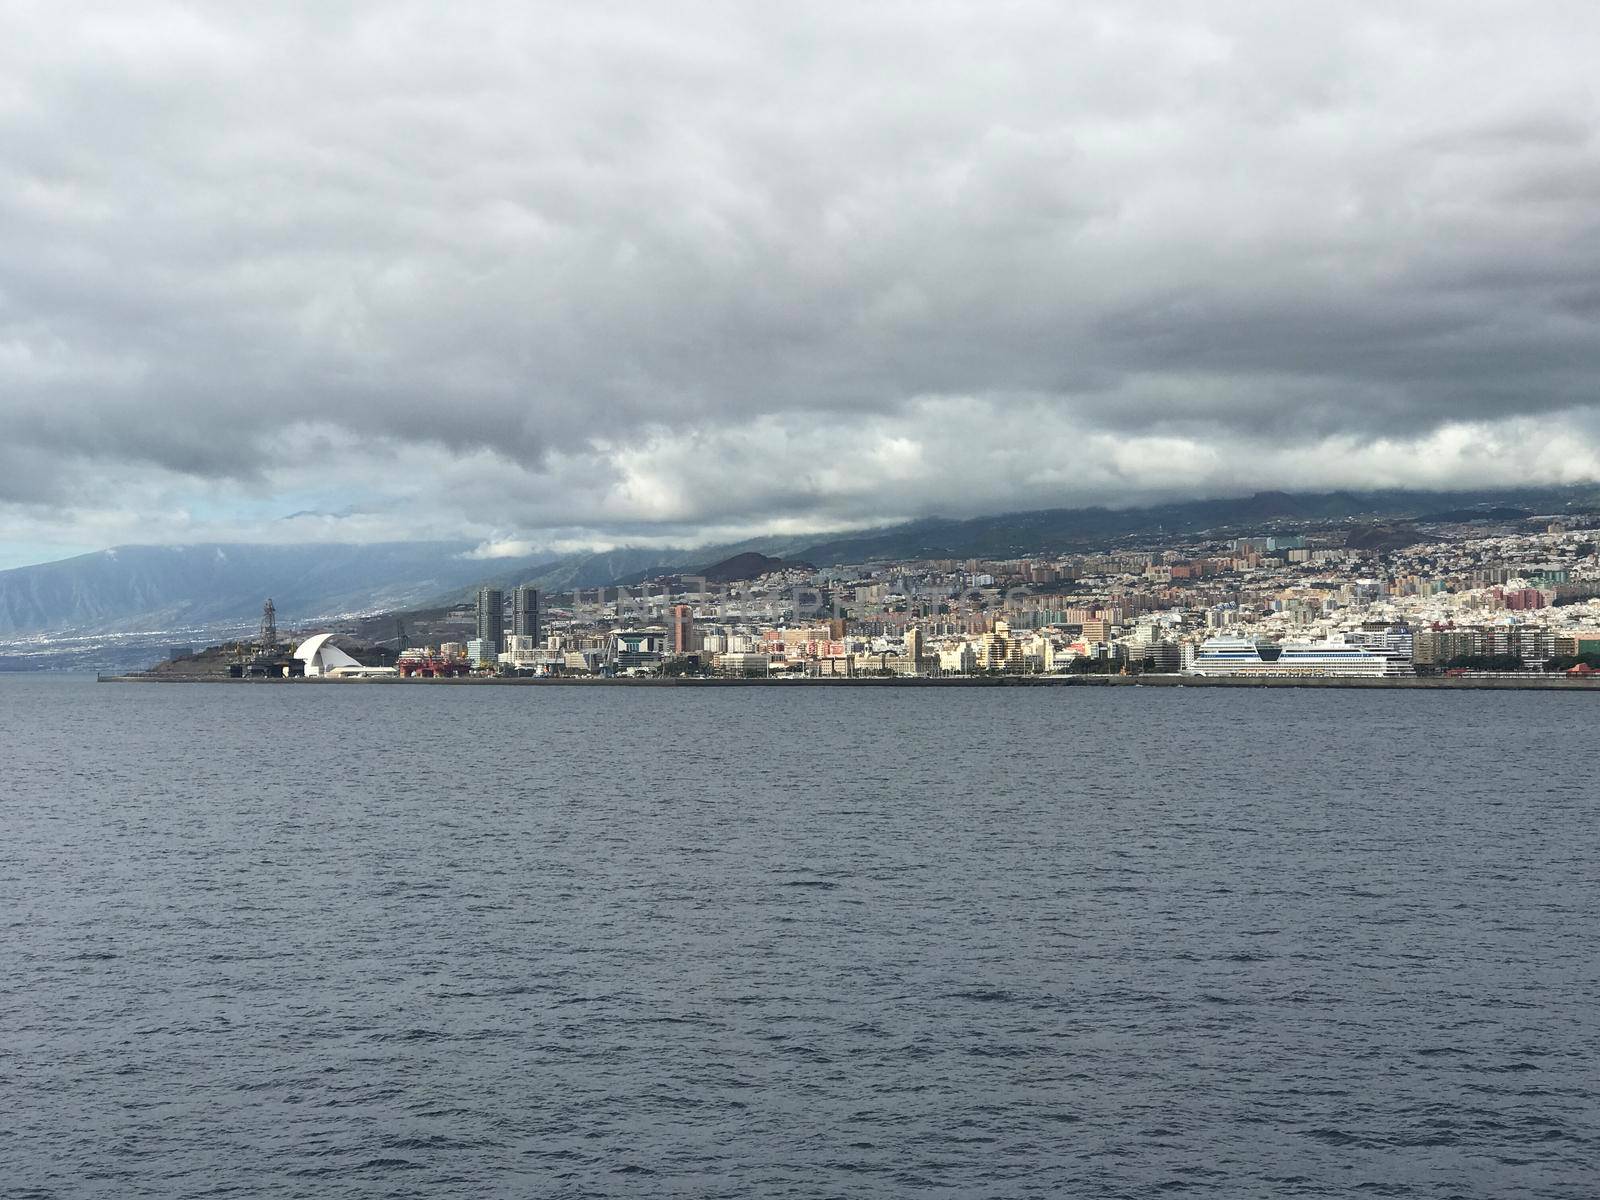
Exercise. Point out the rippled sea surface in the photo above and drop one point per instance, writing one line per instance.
(330, 941)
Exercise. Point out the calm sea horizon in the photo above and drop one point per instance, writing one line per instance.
(384, 941)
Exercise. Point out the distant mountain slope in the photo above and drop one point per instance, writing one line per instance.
(178, 587)
(749, 565)
(152, 588)
(591, 569)
(1065, 530)
(605, 568)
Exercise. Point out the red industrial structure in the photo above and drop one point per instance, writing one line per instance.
(432, 668)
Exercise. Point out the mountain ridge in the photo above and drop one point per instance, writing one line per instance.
(155, 588)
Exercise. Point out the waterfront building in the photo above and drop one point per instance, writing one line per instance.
(1155, 654)
(1096, 629)
(682, 629)
(525, 654)
(998, 650)
(1530, 643)
(900, 664)
(1038, 652)
(1576, 643)
(751, 662)
(491, 620)
(636, 648)
(959, 659)
(1437, 647)
(831, 666)
(525, 612)
(587, 661)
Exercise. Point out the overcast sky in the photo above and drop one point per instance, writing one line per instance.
(542, 275)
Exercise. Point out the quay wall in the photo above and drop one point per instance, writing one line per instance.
(1425, 683)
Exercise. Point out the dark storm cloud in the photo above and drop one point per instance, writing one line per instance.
(620, 268)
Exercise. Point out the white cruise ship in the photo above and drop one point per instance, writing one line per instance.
(1242, 656)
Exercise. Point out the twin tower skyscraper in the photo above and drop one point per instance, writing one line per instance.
(492, 615)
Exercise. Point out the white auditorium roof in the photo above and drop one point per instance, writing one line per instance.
(320, 653)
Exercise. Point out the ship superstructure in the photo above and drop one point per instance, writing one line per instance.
(1237, 656)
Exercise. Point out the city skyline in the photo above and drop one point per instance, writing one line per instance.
(1471, 595)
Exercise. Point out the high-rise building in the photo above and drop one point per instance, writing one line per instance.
(682, 629)
(914, 644)
(1097, 629)
(525, 612)
(492, 618)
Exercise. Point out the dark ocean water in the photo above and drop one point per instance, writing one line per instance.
(387, 941)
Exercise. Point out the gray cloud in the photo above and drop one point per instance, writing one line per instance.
(526, 268)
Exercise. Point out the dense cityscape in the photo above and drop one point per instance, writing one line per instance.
(1507, 598)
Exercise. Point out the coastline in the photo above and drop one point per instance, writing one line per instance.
(1425, 683)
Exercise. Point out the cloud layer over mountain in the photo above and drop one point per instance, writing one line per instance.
(552, 273)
